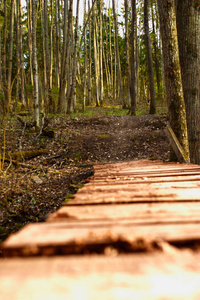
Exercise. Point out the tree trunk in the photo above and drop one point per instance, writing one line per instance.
(10, 55)
(132, 60)
(47, 59)
(57, 44)
(20, 58)
(188, 26)
(128, 71)
(96, 60)
(155, 49)
(101, 54)
(85, 60)
(118, 58)
(149, 58)
(71, 100)
(65, 53)
(51, 52)
(89, 62)
(35, 67)
(175, 99)
(111, 56)
(29, 17)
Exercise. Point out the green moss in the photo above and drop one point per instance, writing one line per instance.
(104, 136)
(68, 198)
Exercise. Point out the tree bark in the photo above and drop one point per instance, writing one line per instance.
(85, 61)
(132, 60)
(149, 58)
(10, 56)
(188, 26)
(101, 54)
(29, 17)
(117, 57)
(156, 58)
(96, 59)
(172, 71)
(71, 101)
(35, 67)
(128, 71)
(65, 54)
(90, 61)
(57, 45)
(47, 59)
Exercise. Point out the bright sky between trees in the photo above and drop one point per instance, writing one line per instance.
(119, 4)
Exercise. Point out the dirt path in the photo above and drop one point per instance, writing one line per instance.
(36, 187)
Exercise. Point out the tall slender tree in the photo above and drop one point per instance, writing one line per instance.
(47, 59)
(118, 57)
(10, 54)
(101, 54)
(133, 59)
(149, 58)
(4, 65)
(35, 67)
(128, 72)
(71, 100)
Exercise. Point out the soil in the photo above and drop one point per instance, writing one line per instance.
(37, 184)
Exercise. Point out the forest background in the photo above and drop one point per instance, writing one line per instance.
(138, 57)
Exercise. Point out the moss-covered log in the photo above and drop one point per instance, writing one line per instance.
(25, 154)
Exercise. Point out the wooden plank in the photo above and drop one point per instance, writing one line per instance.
(90, 188)
(145, 165)
(143, 179)
(88, 237)
(136, 213)
(137, 196)
(153, 173)
(178, 149)
(174, 275)
(133, 164)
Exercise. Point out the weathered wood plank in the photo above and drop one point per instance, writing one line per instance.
(136, 196)
(91, 188)
(142, 179)
(143, 165)
(136, 213)
(152, 173)
(178, 149)
(88, 237)
(174, 275)
(119, 278)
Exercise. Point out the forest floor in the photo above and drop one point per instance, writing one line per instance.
(37, 184)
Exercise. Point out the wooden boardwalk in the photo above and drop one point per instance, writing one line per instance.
(132, 232)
